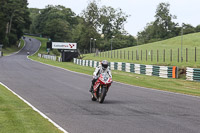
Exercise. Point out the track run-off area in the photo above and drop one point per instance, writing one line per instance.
(63, 96)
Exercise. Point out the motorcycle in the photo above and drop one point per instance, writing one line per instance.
(101, 87)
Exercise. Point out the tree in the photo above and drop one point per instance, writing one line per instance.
(15, 18)
(56, 22)
(197, 29)
(163, 23)
(187, 29)
(162, 28)
(105, 21)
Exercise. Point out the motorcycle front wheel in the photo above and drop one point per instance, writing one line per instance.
(102, 95)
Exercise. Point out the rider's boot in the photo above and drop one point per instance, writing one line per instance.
(91, 89)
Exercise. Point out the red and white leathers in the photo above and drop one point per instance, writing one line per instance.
(100, 70)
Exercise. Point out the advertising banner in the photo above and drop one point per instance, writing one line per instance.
(64, 45)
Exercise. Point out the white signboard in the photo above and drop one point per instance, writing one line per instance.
(64, 45)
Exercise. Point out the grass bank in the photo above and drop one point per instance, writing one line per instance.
(18, 117)
(13, 48)
(172, 85)
(148, 53)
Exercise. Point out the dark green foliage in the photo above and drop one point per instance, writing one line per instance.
(197, 28)
(55, 22)
(62, 25)
(187, 29)
(14, 18)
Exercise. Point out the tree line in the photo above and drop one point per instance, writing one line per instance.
(14, 18)
(163, 26)
(96, 25)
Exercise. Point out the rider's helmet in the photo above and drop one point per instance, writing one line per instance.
(104, 64)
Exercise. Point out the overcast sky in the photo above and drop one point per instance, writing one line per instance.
(141, 11)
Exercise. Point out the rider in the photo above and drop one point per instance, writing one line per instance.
(100, 69)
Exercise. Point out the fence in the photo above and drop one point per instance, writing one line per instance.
(151, 70)
(193, 74)
(155, 55)
(50, 57)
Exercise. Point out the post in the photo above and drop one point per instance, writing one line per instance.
(136, 55)
(90, 44)
(146, 55)
(181, 43)
(186, 55)
(171, 55)
(120, 54)
(157, 55)
(117, 54)
(128, 54)
(164, 55)
(178, 54)
(195, 54)
(94, 44)
(132, 54)
(124, 54)
(111, 45)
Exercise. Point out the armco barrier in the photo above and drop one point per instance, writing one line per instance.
(193, 74)
(151, 70)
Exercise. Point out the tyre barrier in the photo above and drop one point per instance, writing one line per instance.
(151, 70)
(50, 57)
(192, 74)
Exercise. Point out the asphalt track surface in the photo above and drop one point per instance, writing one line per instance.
(63, 96)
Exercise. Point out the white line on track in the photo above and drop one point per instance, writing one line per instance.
(35, 109)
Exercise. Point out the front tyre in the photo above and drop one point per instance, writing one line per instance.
(102, 95)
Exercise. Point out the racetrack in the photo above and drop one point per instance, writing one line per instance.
(63, 96)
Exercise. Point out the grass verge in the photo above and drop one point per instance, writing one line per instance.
(18, 117)
(172, 85)
(13, 48)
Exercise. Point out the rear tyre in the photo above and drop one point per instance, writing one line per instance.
(102, 95)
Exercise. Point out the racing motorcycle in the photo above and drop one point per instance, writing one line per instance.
(101, 87)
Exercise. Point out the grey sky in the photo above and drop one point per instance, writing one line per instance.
(141, 11)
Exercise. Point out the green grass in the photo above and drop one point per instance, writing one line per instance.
(18, 117)
(12, 49)
(190, 41)
(172, 85)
